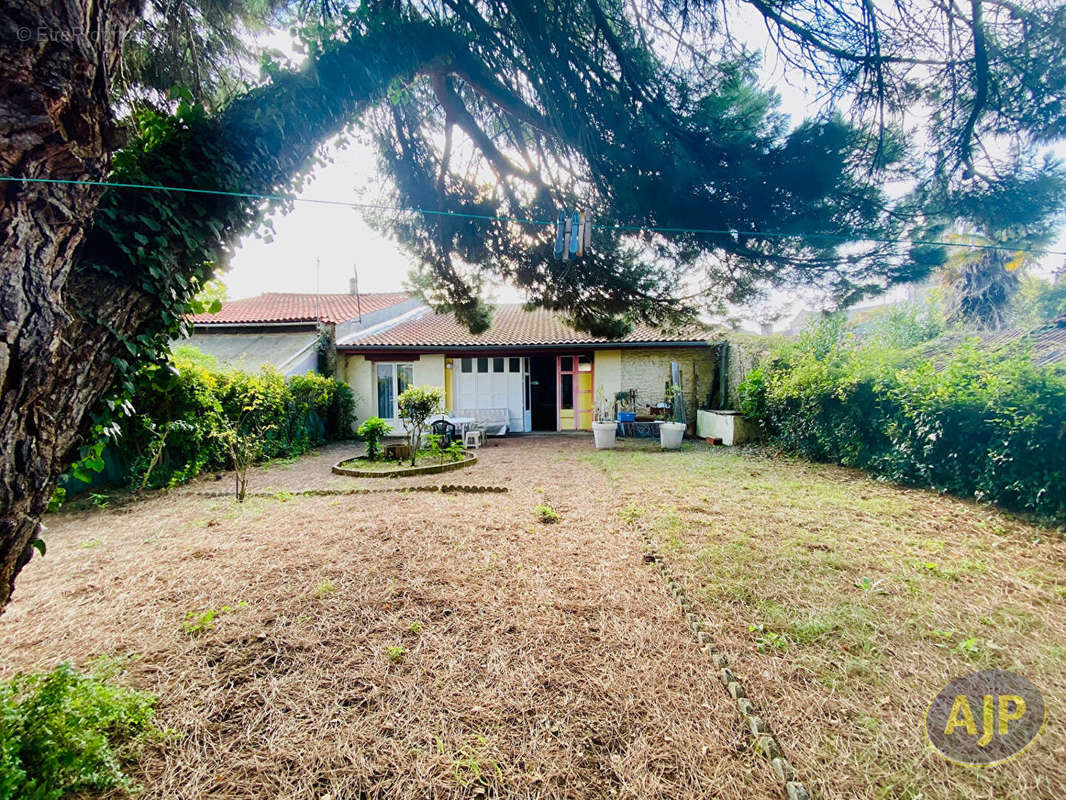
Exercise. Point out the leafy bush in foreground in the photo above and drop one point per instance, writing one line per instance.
(987, 425)
(64, 732)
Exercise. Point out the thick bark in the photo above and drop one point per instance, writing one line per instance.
(56, 59)
(66, 294)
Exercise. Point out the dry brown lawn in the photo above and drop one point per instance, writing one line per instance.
(392, 645)
(450, 645)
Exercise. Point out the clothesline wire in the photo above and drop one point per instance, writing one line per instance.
(734, 233)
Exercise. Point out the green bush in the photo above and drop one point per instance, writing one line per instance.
(181, 411)
(372, 431)
(1039, 301)
(65, 732)
(985, 424)
(546, 514)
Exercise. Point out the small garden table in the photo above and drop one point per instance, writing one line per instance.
(461, 423)
(646, 429)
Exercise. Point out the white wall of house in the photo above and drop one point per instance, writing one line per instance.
(607, 376)
(361, 375)
(306, 361)
(374, 318)
(356, 372)
(291, 353)
(429, 371)
(614, 370)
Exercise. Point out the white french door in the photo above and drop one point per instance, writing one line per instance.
(492, 382)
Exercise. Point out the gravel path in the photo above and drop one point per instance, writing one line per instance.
(312, 471)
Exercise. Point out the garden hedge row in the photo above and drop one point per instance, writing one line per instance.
(980, 424)
(180, 410)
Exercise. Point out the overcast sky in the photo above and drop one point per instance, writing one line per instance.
(341, 241)
(337, 236)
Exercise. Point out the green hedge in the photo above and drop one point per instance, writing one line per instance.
(178, 410)
(982, 424)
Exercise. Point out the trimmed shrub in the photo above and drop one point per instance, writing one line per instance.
(414, 406)
(372, 431)
(987, 425)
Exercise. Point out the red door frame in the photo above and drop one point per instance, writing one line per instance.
(575, 399)
(559, 372)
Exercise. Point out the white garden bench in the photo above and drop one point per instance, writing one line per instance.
(494, 421)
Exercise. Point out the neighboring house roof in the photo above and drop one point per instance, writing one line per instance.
(513, 325)
(250, 351)
(1047, 343)
(868, 310)
(282, 307)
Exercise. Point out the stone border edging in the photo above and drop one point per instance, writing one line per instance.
(444, 488)
(400, 472)
(764, 739)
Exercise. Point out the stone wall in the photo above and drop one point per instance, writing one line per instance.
(744, 353)
(648, 370)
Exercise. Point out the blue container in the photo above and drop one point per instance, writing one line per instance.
(627, 416)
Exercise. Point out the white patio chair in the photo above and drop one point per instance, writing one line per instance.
(474, 436)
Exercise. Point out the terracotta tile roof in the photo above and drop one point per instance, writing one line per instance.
(512, 325)
(286, 307)
(1047, 343)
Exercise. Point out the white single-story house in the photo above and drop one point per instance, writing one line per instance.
(283, 329)
(546, 374)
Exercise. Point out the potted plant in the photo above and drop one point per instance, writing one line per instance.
(626, 404)
(672, 432)
(604, 427)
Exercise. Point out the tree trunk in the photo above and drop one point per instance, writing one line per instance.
(68, 297)
(56, 62)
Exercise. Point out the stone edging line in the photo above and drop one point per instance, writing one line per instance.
(445, 488)
(764, 739)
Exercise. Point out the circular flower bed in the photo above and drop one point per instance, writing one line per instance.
(360, 467)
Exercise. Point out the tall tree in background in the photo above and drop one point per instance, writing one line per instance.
(642, 112)
(989, 78)
(1040, 302)
(1003, 220)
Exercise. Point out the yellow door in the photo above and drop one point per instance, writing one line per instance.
(566, 390)
(575, 392)
(584, 393)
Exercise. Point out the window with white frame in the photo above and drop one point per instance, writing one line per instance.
(392, 380)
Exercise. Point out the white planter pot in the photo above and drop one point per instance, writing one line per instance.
(603, 433)
(670, 435)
